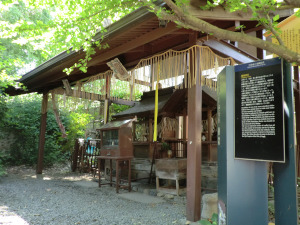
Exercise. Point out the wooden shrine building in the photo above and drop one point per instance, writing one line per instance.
(152, 52)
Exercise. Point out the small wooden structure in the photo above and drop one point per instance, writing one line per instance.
(121, 163)
(116, 144)
(172, 112)
(170, 169)
(116, 138)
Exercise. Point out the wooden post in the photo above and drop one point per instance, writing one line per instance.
(259, 51)
(107, 102)
(152, 86)
(209, 136)
(43, 125)
(185, 127)
(106, 110)
(193, 205)
(75, 156)
(150, 139)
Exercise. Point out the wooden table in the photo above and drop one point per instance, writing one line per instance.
(119, 159)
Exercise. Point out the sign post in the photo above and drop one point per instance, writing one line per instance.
(259, 122)
(285, 175)
(252, 126)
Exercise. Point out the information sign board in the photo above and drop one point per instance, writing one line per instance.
(259, 111)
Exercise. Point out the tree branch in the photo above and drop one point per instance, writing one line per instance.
(267, 25)
(274, 32)
(188, 21)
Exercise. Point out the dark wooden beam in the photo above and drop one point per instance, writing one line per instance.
(132, 60)
(141, 40)
(55, 81)
(93, 96)
(43, 125)
(170, 42)
(229, 50)
(145, 48)
(193, 38)
(81, 94)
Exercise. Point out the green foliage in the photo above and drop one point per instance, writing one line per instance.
(213, 220)
(16, 48)
(20, 115)
(116, 108)
(76, 129)
(271, 209)
(165, 146)
(18, 53)
(74, 24)
(23, 120)
(2, 169)
(3, 109)
(6, 81)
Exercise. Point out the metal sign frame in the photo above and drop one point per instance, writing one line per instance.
(259, 111)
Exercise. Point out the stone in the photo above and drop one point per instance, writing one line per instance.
(134, 188)
(159, 194)
(210, 205)
(153, 192)
(146, 191)
(169, 196)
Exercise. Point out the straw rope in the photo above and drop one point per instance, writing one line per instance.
(181, 69)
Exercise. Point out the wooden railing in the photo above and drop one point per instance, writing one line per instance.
(84, 155)
(178, 148)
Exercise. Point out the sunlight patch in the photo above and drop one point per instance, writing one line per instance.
(7, 217)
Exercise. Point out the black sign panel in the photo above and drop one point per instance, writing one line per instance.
(259, 117)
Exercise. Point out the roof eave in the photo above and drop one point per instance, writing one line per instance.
(138, 15)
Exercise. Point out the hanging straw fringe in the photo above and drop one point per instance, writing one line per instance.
(181, 69)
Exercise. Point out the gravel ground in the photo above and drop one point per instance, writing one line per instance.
(61, 197)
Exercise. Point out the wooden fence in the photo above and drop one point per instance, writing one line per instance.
(84, 155)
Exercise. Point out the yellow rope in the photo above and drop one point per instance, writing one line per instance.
(156, 107)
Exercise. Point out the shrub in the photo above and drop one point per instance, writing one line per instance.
(22, 118)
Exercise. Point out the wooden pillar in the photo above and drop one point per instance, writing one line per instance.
(209, 134)
(152, 86)
(150, 139)
(259, 51)
(193, 205)
(107, 101)
(106, 110)
(43, 125)
(185, 127)
(75, 155)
